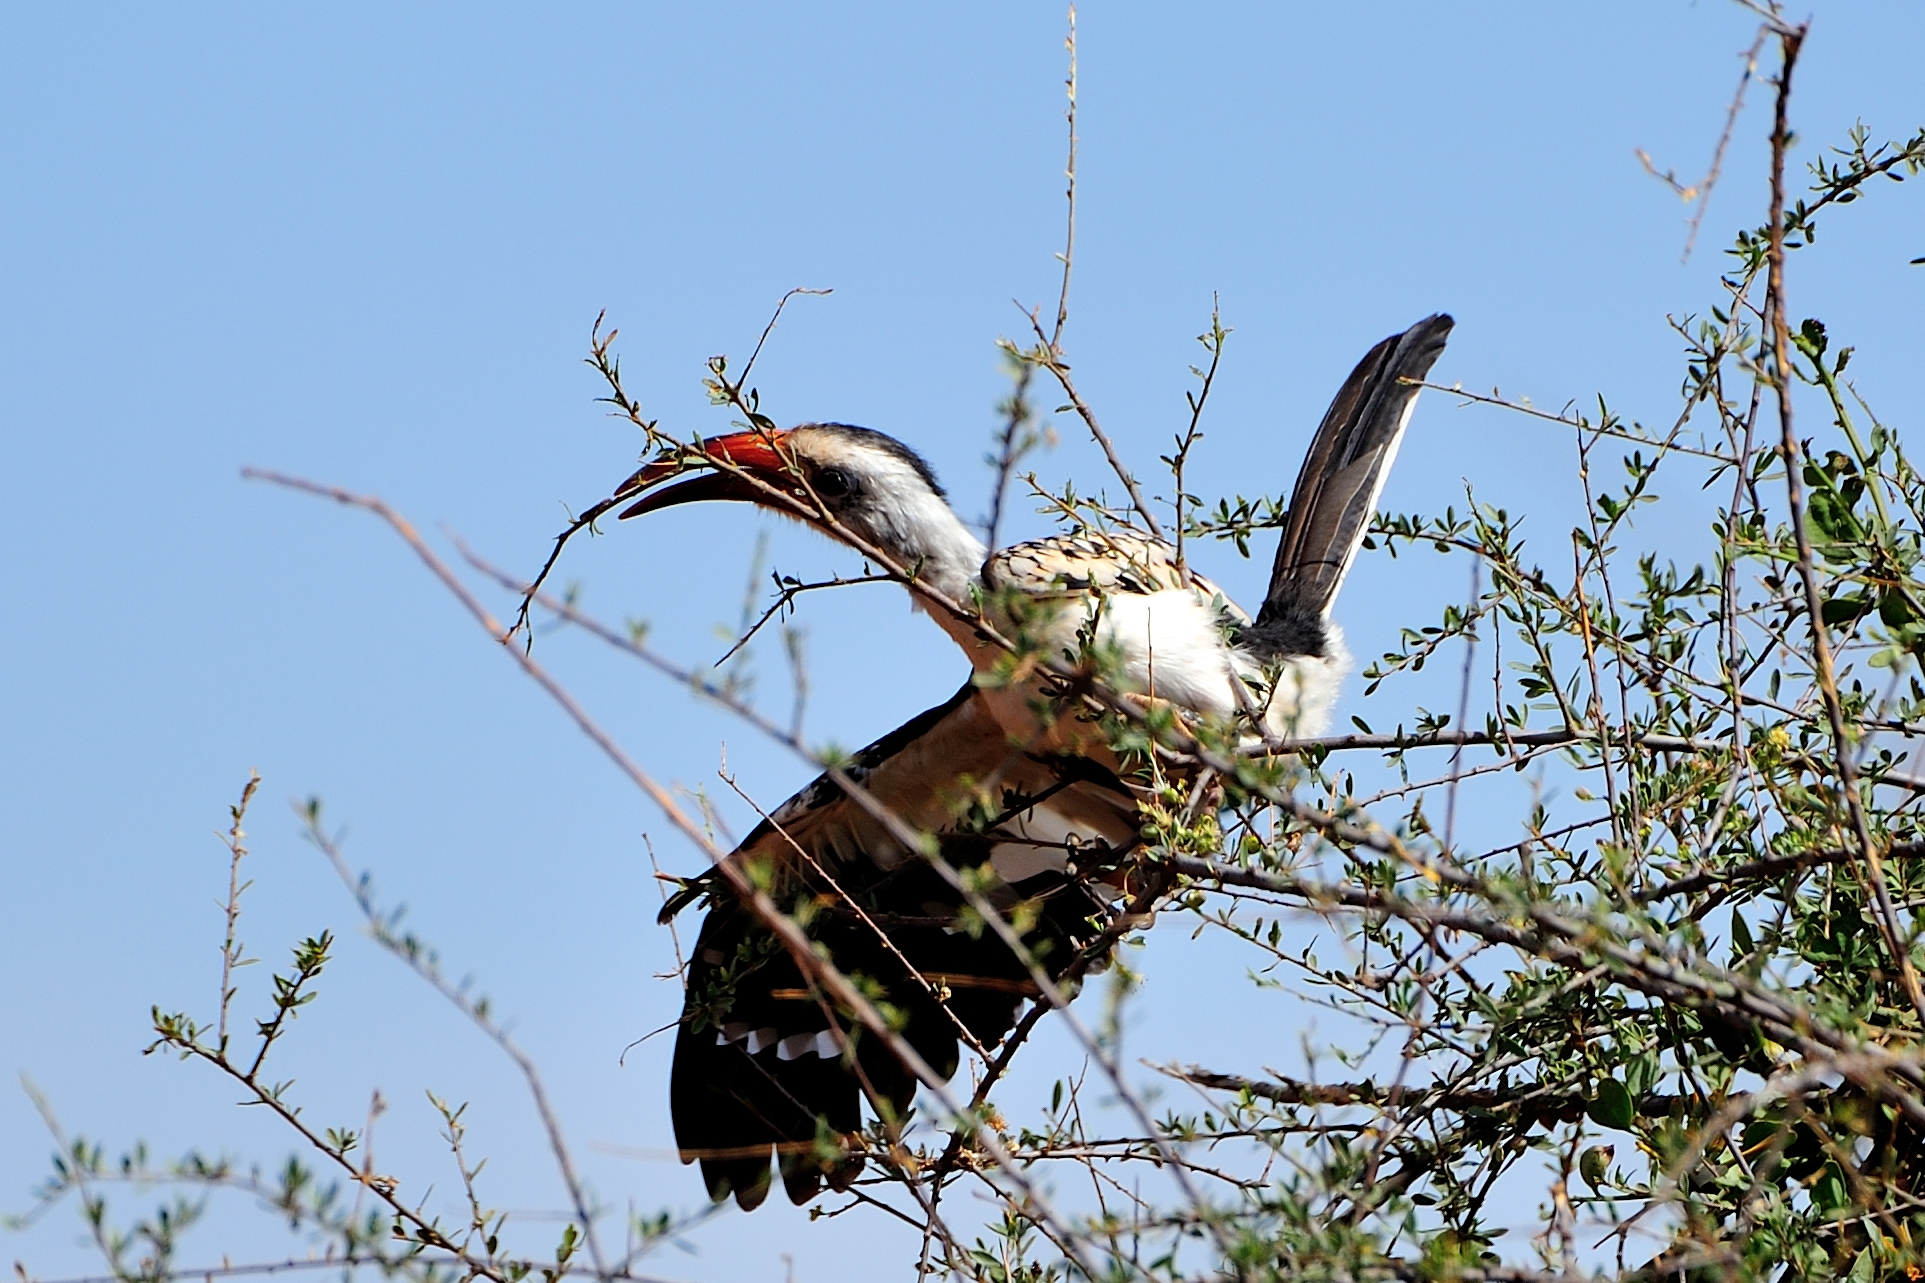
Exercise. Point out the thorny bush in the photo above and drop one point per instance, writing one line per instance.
(1679, 1008)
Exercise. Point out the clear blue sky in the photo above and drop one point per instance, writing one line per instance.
(365, 243)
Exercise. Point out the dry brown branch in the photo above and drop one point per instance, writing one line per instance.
(836, 985)
(1700, 191)
(1791, 40)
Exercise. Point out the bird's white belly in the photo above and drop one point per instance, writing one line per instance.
(1168, 645)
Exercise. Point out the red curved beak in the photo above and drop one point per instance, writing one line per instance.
(753, 452)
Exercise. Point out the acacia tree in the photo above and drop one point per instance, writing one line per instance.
(1680, 1010)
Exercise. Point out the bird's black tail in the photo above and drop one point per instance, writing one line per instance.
(756, 1069)
(1336, 493)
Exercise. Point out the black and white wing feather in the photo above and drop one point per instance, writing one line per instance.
(764, 1064)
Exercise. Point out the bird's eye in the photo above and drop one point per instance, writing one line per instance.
(834, 483)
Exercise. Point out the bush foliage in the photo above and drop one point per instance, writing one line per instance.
(1675, 1017)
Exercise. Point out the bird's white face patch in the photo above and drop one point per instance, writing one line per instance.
(896, 510)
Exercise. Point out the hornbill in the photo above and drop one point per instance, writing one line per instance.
(762, 1064)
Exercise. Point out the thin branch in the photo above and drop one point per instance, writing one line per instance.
(1213, 343)
(787, 591)
(410, 953)
(1539, 1105)
(1049, 354)
(818, 970)
(1463, 707)
(602, 357)
(1399, 742)
(1069, 193)
(1738, 876)
(1700, 191)
(770, 327)
(1500, 402)
(1791, 40)
(231, 947)
(1049, 350)
(1012, 443)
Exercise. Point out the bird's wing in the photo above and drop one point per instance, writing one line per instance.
(1092, 560)
(760, 1066)
(1343, 472)
(1083, 561)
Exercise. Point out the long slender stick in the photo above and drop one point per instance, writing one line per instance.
(1069, 194)
(1791, 40)
(1049, 346)
(1035, 1204)
(230, 947)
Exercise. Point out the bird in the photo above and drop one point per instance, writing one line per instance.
(764, 1068)
(1164, 631)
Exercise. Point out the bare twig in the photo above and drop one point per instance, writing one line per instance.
(1463, 707)
(1048, 351)
(787, 590)
(1700, 191)
(835, 985)
(1667, 443)
(1069, 191)
(409, 951)
(770, 327)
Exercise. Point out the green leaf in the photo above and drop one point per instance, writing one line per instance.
(1742, 945)
(1612, 1106)
(1810, 337)
(1845, 608)
(1829, 1192)
(1831, 516)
